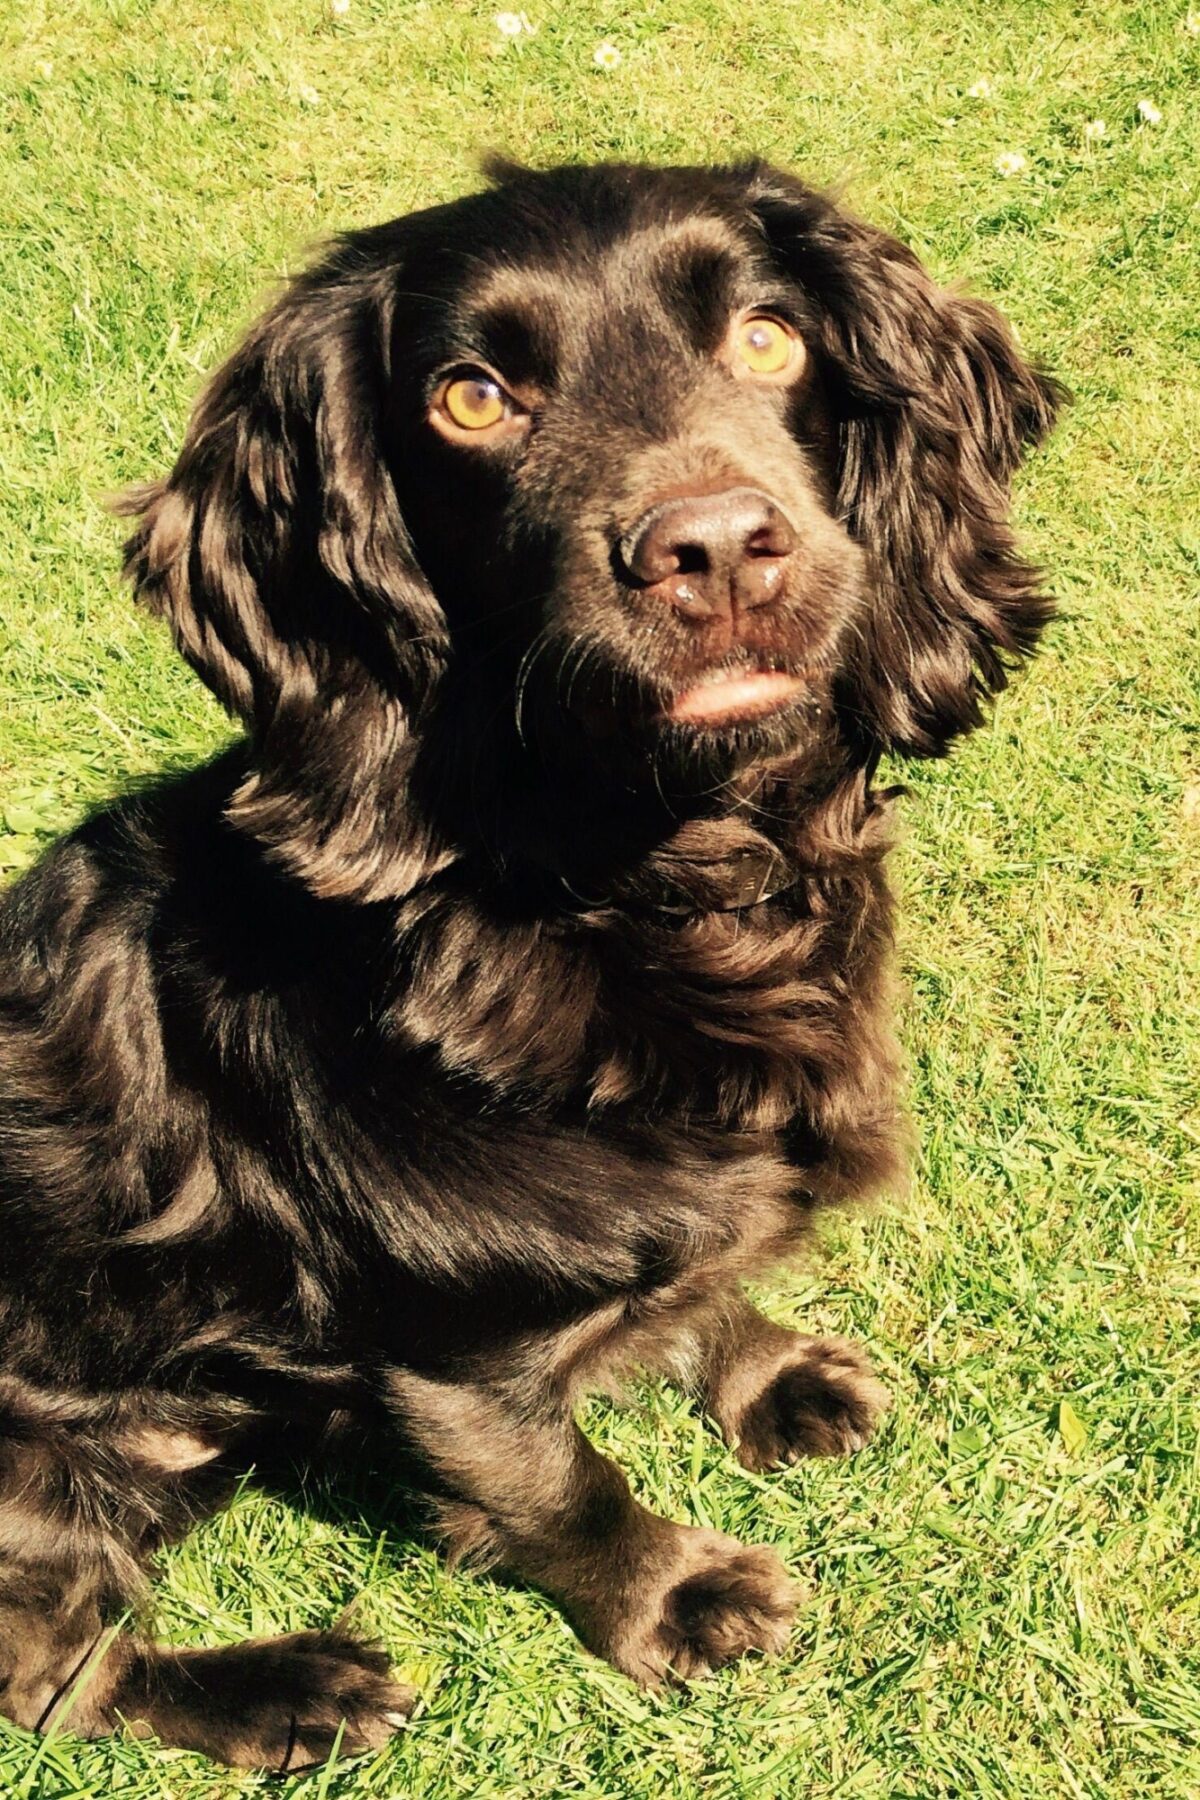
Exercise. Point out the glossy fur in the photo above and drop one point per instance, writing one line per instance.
(471, 1030)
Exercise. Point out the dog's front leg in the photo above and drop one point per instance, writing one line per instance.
(526, 1489)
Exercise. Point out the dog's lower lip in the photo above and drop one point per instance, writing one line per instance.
(745, 695)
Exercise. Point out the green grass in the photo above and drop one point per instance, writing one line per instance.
(1005, 1585)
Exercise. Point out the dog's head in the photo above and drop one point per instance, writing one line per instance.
(664, 471)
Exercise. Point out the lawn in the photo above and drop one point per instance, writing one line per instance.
(1005, 1585)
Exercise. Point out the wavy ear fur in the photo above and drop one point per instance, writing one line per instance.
(936, 407)
(276, 550)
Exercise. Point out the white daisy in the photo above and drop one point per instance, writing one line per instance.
(1094, 130)
(1011, 162)
(606, 56)
(980, 90)
(1149, 112)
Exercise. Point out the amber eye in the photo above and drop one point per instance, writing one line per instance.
(473, 402)
(766, 346)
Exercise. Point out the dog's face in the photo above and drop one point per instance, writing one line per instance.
(675, 469)
(620, 389)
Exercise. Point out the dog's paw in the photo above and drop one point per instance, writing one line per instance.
(721, 1600)
(333, 1684)
(280, 1704)
(823, 1403)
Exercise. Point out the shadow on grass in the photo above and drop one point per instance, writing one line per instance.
(356, 1484)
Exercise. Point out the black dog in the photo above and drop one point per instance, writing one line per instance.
(518, 985)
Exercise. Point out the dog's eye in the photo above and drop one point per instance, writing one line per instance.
(474, 402)
(766, 346)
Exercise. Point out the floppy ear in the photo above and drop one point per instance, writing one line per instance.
(276, 550)
(936, 407)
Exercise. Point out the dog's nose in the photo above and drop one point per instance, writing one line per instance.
(709, 554)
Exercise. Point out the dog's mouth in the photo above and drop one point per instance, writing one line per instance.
(734, 697)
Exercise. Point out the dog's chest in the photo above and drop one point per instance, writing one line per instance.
(739, 1020)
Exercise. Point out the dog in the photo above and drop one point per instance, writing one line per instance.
(517, 986)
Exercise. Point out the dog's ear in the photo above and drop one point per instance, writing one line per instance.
(276, 550)
(935, 407)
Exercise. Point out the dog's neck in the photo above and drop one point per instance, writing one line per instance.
(761, 837)
(696, 871)
(574, 827)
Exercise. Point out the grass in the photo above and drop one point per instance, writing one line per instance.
(1005, 1585)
